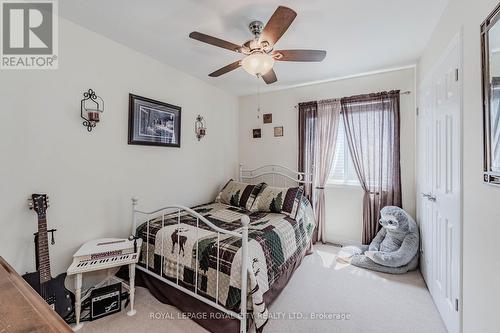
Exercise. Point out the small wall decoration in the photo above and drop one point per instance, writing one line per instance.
(268, 118)
(256, 132)
(200, 127)
(153, 123)
(278, 131)
(91, 106)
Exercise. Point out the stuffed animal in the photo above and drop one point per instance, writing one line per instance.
(395, 248)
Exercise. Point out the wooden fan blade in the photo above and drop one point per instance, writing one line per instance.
(215, 41)
(278, 24)
(300, 55)
(226, 69)
(270, 77)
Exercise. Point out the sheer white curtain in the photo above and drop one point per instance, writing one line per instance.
(325, 139)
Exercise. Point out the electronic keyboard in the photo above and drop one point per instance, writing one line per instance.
(105, 253)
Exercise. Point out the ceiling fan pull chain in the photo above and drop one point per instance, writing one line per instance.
(258, 98)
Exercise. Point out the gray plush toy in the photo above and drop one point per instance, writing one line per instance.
(395, 248)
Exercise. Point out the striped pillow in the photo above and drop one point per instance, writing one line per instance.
(284, 200)
(239, 194)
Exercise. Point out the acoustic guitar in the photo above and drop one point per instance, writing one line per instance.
(51, 289)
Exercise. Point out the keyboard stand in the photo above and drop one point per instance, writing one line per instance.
(130, 286)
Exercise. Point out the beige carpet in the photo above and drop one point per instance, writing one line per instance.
(320, 292)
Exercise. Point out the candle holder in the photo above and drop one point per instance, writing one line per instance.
(91, 107)
(200, 127)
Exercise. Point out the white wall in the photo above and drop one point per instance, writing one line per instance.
(481, 224)
(91, 177)
(344, 204)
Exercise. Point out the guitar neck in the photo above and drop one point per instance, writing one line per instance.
(43, 250)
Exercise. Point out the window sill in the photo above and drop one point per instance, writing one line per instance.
(343, 185)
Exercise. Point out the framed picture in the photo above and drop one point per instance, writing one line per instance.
(153, 123)
(268, 118)
(256, 132)
(278, 131)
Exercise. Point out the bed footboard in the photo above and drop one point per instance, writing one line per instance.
(176, 211)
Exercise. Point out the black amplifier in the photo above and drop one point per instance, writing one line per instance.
(105, 301)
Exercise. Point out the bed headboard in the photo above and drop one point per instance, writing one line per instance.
(274, 175)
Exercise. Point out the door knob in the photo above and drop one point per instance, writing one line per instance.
(429, 197)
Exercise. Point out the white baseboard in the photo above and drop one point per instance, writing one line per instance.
(341, 241)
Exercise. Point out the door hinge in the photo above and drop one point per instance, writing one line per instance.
(456, 75)
(417, 111)
(456, 304)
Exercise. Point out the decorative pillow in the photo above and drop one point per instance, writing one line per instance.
(239, 194)
(284, 200)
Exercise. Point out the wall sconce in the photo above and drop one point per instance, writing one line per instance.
(91, 106)
(200, 127)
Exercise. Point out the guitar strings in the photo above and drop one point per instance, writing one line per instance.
(43, 244)
(42, 284)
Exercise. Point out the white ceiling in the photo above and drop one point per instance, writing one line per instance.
(359, 35)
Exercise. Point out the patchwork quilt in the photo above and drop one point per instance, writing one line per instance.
(276, 241)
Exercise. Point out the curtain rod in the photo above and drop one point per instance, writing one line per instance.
(401, 93)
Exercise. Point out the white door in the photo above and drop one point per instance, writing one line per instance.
(439, 184)
(425, 177)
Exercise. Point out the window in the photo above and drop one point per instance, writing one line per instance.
(342, 172)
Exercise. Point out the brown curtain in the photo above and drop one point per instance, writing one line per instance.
(372, 132)
(308, 113)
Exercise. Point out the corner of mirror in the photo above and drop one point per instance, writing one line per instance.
(490, 70)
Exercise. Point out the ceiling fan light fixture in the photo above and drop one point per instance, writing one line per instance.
(259, 51)
(258, 63)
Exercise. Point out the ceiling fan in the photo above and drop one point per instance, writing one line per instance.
(259, 52)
